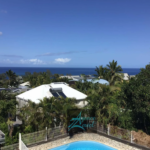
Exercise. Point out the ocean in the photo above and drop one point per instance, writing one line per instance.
(73, 71)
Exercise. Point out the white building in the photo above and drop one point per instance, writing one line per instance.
(125, 76)
(51, 90)
(25, 84)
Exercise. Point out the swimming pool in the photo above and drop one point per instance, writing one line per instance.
(83, 145)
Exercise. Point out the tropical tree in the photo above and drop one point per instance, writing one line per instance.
(7, 107)
(114, 68)
(37, 79)
(29, 114)
(64, 105)
(105, 106)
(136, 95)
(111, 73)
(3, 95)
(3, 80)
(48, 112)
(12, 77)
(102, 72)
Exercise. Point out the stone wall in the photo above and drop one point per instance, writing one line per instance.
(85, 136)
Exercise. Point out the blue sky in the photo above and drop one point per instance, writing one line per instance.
(74, 33)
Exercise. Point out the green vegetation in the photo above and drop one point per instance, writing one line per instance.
(37, 79)
(123, 104)
(110, 72)
(7, 113)
(9, 79)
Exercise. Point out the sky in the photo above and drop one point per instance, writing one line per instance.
(74, 33)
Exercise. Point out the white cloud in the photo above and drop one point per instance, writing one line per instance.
(8, 61)
(32, 61)
(36, 61)
(1, 33)
(62, 60)
(4, 11)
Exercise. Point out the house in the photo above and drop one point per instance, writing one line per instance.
(25, 84)
(89, 79)
(2, 137)
(73, 77)
(55, 89)
(125, 76)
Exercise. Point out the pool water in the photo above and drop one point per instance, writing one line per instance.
(83, 145)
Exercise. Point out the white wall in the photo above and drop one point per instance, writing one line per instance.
(21, 103)
(81, 103)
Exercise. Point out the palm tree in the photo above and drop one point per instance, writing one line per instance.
(11, 75)
(112, 66)
(63, 105)
(29, 114)
(105, 106)
(101, 72)
(48, 111)
(113, 74)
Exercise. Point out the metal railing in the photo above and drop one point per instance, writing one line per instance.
(53, 133)
(102, 128)
(35, 137)
(120, 133)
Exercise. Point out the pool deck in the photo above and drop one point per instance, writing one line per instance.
(84, 137)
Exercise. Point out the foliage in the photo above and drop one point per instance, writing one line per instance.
(104, 104)
(12, 77)
(102, 72)
(37, 79)
(136, 97)
(3, 80)
(48, 113)
(110, 72)
(7, 112)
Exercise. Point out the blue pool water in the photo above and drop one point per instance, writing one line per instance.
(83, 145)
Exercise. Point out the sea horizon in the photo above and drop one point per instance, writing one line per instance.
(62, 70)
